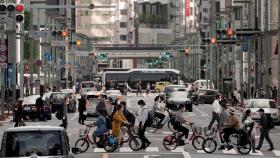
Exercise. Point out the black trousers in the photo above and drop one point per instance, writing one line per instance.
(265, 134)
(64, 122)
(227, 132)
(215, 117)
(184, 130)
(160, 116)
(141, 133)
(81, 117)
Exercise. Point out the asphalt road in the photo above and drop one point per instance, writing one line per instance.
(201, 115)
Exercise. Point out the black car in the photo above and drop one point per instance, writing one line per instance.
(206, 96)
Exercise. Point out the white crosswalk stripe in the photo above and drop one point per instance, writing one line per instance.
(152, 149)
(125, 149)
(276, 152)
(232, 151)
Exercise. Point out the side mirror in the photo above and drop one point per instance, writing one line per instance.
(75, 150)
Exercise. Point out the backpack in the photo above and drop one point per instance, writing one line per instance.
(130, 117)
(243, 137)
(270, 122)
(149, 121)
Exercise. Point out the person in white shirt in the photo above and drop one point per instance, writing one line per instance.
(143, 116)
(216, 112)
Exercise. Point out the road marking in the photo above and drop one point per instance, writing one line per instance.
(186, 154)
(166, 132)
(276, 152)
(152, 149)
(147, 156)
(232, 151)
(99, 150)
(201, 112)
(69, 134)
(105, 155)
(178, 150)
(125, 149)
(74, 117)
(202, 151)
(191, 114)
(259, 153)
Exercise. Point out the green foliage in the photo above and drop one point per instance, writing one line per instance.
(27, 20)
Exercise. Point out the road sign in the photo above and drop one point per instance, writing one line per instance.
(3, 65)
(39, 63)
(3, 48)
(37, 34)
(58, 43)
(245, 47)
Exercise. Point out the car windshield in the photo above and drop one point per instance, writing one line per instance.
(263, 104)
(92, 96)
(88, 85)
(179, 95)
(27, 143)
(114, 92)
(58, 95)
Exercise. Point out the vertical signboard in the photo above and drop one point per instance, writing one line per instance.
(187, 7)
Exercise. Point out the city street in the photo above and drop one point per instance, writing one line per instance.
(201, 116)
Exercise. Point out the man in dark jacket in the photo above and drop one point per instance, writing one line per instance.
(264, 130)
(40, 106)
(81, 109)
(101, 104)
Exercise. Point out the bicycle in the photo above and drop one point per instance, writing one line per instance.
(171, 142)
(108, 142)
(133, 140)
(169, 119)
(210, 144)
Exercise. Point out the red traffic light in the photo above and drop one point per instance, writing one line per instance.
(19, 8)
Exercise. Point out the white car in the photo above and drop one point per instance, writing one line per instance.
(114, 94)
(268, 105)
(203, 84)
(92, 98)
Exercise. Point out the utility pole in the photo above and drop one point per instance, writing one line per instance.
(241, 59)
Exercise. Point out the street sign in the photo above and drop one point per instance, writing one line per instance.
(37, 34)
(3, 48)
(58, 43)
(245, 47)
(39, 63)
(3, 65)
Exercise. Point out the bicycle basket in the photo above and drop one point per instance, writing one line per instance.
(83, 132)
(198, 130)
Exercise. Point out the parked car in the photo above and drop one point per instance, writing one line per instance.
(30, 110)
(268, 105)
(57, 98)
(114, 94)
(160, 86)
(36, 141)
(206, 96)
(177, 98)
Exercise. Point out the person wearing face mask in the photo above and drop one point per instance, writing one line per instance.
(216, 112)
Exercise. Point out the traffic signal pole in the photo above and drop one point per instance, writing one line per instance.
(278, 35)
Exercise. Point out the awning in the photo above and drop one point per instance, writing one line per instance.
(153, 1)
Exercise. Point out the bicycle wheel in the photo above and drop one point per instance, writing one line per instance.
(135, 143)
(110, 144)
(209, 145)
(170, 142)
(82, 144)
(245, 149)
(154, 127)
(197, 142)
(170, 126)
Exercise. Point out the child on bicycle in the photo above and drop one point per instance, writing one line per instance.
(101, 125)
(179, 119)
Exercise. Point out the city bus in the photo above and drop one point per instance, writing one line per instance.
(121, 79)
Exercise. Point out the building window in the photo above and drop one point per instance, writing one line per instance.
(205, 10)
(123, 12)
(123, 37)
(191, 10)
(123, 24)
(237, 13)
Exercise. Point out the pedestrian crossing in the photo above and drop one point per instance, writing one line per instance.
(274, 153)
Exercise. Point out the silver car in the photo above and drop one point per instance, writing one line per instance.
(268, 105)
(177, 98)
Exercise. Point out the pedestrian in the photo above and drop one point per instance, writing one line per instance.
(274, 93)
(18, 114)
(82, 109)
(101, 104)
(264, 130)
(252, 91)
(148, 88)
(127, 114)
(63, 111)
(248, 122)
(262, 94)
(40, 107)
(27, 90)
(179, 119)
(118, 119)
(216, 111)
(157, 111)
(143, 117)
(235, 96)
(139, 89)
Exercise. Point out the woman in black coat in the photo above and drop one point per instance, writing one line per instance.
(18, 114)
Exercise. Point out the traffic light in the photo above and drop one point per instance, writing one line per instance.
(212, 40)
(186, 51)
(77, 43)
(19, 13)
(60, 33)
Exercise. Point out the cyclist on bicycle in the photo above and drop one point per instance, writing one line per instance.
(231, 126)
(157, 111)
(101, 125)
(179, 119)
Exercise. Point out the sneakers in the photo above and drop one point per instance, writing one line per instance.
(270, 149)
